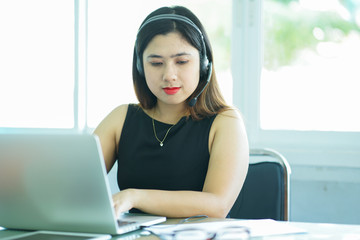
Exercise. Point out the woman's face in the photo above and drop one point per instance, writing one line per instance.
(172, 68)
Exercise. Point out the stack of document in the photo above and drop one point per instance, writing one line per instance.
(257, 228)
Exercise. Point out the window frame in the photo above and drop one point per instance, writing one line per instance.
(310, 148)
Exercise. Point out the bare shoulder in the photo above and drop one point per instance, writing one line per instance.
(120, 110)
(228, 127)
(229, 116)
(117, 114)
(114, 121)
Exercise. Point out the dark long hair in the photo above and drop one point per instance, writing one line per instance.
(211, 101)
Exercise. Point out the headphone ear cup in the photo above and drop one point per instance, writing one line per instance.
(139, 65)
(204, 67)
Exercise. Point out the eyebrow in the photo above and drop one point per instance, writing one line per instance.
(172, 56)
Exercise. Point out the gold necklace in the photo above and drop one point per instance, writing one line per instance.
(167, 132)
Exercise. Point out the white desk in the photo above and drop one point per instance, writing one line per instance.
(319, 231)
(315, 231)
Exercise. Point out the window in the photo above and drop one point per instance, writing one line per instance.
(37, 64)
(310, 78)
(305, 133)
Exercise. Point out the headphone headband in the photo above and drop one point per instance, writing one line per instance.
(171, 17)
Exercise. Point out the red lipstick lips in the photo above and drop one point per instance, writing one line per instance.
(171, 90)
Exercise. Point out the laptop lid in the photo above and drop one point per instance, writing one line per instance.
(56, 182)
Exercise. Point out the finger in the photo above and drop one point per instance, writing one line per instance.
(116, 209)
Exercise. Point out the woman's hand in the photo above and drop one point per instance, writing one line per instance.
(123, 201)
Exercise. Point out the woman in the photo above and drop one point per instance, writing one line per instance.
(181, 151)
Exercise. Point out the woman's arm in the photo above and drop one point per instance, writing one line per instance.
(228, 165)
(109, 131)
(229, 160)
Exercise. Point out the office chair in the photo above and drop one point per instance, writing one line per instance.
(266, 190)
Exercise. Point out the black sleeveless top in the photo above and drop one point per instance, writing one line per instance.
(180, 164)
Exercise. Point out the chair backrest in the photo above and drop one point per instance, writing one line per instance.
(266, 190)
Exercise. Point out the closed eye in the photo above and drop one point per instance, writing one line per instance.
(156, 64)
(183, 62)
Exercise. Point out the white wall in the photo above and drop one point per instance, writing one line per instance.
(315, 199)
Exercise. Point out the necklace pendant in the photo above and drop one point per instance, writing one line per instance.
(161, 144)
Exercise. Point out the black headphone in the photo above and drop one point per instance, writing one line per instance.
(205, 65)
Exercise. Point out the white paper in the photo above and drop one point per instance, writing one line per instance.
(258, 228)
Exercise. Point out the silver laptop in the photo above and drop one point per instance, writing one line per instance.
(58, 182)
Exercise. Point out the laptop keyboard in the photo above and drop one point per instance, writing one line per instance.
(124, 223)
(127, 226)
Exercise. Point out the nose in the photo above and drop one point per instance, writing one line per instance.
(170, 72)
